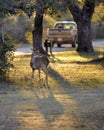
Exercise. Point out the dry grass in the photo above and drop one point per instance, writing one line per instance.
(66, 68)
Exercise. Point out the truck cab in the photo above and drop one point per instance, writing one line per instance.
(63, 32)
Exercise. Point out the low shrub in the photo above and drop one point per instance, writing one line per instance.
(7, 49)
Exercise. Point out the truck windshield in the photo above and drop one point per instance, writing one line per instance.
(64, 26)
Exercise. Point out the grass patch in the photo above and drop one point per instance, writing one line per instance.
(67, 68)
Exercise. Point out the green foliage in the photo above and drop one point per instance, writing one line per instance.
(98, 16)
(6, 56)
(29, 37)
(6, 7)
(55, 6)
(98, 20)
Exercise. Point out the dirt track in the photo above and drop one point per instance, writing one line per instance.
(62, 108)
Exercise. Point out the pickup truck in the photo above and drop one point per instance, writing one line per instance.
(63, 32)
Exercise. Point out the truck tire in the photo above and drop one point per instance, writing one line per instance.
(58, 45)
(73, 45)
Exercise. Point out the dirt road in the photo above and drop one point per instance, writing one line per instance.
(62, 108)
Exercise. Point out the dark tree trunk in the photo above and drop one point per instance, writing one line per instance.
(84, 36)
(83, 19)
(38, 31)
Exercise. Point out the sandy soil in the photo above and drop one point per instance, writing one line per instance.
(57, 108)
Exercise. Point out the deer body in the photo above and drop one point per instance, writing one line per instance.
(39, 62)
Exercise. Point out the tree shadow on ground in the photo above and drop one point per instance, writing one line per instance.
(93, 61)
(47, 104)
(58, 78)
(96, 54)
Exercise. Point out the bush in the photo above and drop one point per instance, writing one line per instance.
(7, 49)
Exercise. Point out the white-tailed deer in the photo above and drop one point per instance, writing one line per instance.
(39, 62)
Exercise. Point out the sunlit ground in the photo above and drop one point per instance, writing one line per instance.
(75, 100)
(68, 67)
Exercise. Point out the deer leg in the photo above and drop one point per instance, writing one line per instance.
(47, 49)
(32, 73)
(46, 78)
(39, 73)
(46, 73)
(32, 76)
(51, 47)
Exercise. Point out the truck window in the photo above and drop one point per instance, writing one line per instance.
(64, 26)
(69, 26)
(57, 26)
